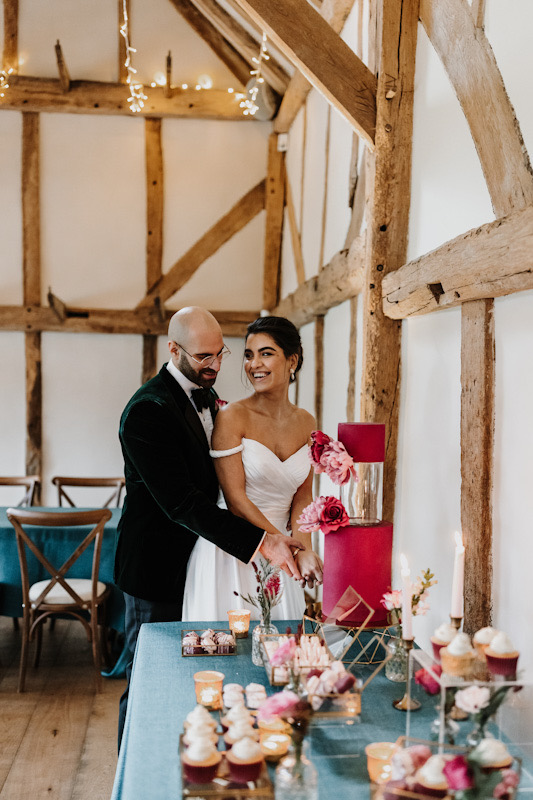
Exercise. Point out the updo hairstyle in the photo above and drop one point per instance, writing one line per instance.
(285, 335)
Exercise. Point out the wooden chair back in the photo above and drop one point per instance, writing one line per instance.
(32, 484)
(60, 481)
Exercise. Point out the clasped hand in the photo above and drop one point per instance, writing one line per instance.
(310, 567)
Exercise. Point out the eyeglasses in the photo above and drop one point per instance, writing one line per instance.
(208, 360)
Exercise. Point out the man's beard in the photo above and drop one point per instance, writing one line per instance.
(196, 377)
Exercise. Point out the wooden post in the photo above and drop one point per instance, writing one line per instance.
(10, 55)
(389, 180)
(319, 380)
(352, 350)
(477, 441)
(274, 208)
(122, 71)
(295, 234)
(154, 231)
(31, 266)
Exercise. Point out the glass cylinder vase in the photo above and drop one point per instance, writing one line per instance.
(296, 775)
(363, 497)
(262, 627)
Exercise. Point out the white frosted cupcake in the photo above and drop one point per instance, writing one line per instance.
(200, 762)
(442, 636)
(239, 730)
(200, 731)
(245, 760)
(457, 658)
(491, 754)
(199, 715)
(481, 640)
(237, 713)
(502, 658)
(430, 779)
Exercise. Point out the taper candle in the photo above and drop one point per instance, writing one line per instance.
(458, 577)
(407, 599)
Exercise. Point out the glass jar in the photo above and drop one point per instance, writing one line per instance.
(396, 666)
(296, 775)
(262, 627)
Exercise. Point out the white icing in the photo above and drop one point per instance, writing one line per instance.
(256, 687)
(237, 713)
(460, 645)
(445, 633)
(246, 749)
(502, 644)
(485, 635)
(490, 751)
(200, 714)
(431, 772)
(233, 687)
(199, 730)
(240, 729)
(200, 750)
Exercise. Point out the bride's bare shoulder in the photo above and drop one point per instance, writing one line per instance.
(306, 421)
(230, 421)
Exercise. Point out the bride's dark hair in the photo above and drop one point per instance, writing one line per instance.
(284, 333)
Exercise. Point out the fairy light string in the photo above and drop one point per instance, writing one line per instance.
(137, 96)
(249, 105)
(4, 80)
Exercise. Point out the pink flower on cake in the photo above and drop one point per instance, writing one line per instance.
(325, 513)
(472, 699)
(458, 774)
(425, 679)
(338, 465)
(309, 519)
(319, 441)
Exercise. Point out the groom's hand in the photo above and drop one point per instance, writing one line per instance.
(278, 548)
(310, 565)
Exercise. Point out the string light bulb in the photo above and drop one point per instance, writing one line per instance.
(249, 105)
(4, 80)
(137, 96)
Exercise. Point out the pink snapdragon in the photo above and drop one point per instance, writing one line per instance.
(278, 705)
(285, 653)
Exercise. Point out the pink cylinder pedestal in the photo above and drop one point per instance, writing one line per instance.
(361, 557)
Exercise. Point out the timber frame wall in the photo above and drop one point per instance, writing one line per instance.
(372, 262)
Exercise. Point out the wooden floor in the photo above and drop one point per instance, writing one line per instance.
(58, 738)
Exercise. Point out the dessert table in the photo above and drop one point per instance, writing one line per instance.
(57, 544)
(162, 694)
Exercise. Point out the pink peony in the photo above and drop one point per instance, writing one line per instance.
(391, 600)
(277, 705)
(458, 774)
(473, 698)
(337, 463)
(425, 679)
(285, 653)
(333, 515)
(309, 519)
(319, 440)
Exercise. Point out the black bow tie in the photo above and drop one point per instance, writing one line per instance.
(204, 398)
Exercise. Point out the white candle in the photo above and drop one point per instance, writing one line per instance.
(458, 577)
(407, 600)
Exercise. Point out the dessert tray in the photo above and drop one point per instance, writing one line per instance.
(279, 675)
(211, 647)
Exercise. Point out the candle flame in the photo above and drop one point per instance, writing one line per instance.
(458, 540)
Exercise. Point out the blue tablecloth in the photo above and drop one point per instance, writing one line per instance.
(57, 544)
(162, 694)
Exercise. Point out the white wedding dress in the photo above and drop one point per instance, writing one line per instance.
(213, 576)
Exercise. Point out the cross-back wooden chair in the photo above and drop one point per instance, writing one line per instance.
(30, 482)
(81, 598)
(60, 481)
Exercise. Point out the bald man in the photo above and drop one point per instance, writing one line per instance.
(171, 485)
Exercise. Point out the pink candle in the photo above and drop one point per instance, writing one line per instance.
(407, 599)
(458, 577)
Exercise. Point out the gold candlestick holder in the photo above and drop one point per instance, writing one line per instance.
(456, 622)
(407, 703)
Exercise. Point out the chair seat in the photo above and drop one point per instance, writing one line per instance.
(59, 596)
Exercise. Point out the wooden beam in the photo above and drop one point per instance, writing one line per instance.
(35, 318)
(319, 370)
(303, 36)
(352, 363)
(64, 77)
(325, 193)
(295, 234)
(478, 13)
(167, 89)
(236, 64)
(10, 58)
(58, 306)
(493, 260)
(227, 226)
(358, 205)
(474, 74)
(149, 366)
(243, 42)
(34, 425)
(341, 279)
(477, 440)
(122, 70)
(94, 97)
(335, 13)
(274, 206)
(154, 229)
(390, 182)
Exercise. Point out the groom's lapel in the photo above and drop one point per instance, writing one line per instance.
(186, 407)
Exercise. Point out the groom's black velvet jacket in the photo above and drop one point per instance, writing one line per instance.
(171, 494)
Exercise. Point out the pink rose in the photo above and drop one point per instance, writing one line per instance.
(309, 519)
(458, 773)
(391, 600)
(277, 705)
(318, 441)
(472, 699)
(425, 679)
(337, 464)
(510, 780)
(284, 653)
(333, 515)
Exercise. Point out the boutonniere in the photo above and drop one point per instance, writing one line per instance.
(220, 403)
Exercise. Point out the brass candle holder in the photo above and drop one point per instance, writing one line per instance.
(456, 622)
(407, 703)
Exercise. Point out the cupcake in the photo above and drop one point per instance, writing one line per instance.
(457, 657)
(442, 636)
(202, 732)
(245, 761)
(501, 656)
(236, 713)
(255, 694)
(274, 745)
(482, 639)
(239, 730)
(197, 716)
(491, 754)
(232, 695)
(200, 762)
(430, 779)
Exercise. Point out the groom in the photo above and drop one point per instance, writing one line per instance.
(171, 485)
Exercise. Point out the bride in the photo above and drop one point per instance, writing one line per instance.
(260, 451)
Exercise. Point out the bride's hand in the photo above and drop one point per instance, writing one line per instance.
(310, 565)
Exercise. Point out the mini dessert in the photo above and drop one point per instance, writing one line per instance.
(200, 731)
(225, 642)
(209, 645)
(274, 745)
(442, 636)
(406, 761)
(457, 658)
(199, 715)
(200, 762)
(191, 644)
(430, 779)
(245, 760)
(255, 694)
(236, 713)
(233, 694)
(491, 754)
(501, 656)
(239, 730)
(273, 725)
(481, 640)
